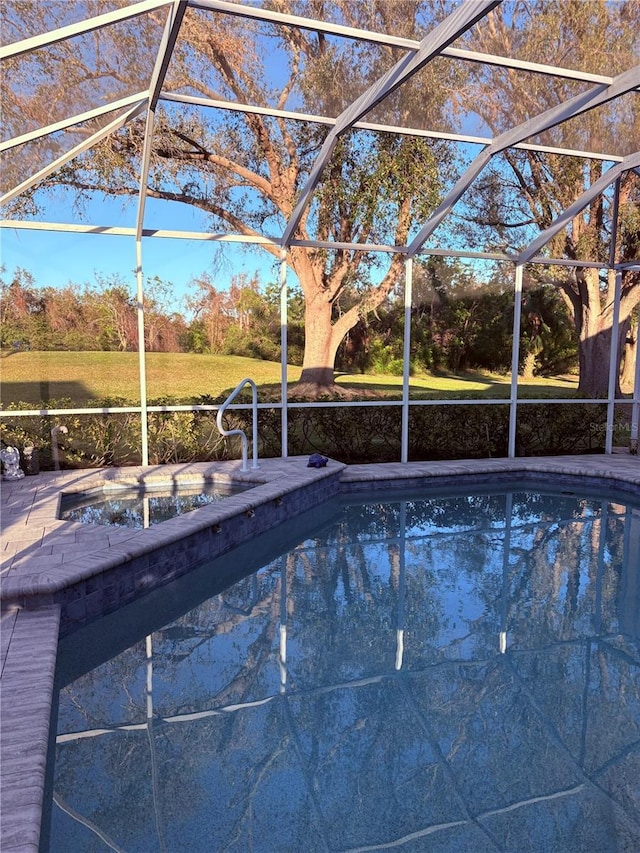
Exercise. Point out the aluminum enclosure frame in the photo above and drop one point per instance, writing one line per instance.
(436, 43)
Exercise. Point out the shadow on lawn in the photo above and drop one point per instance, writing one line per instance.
(479, 385)
(40, 392)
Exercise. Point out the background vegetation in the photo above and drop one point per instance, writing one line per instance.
(459, 322)
(76, 347)
(247, 173)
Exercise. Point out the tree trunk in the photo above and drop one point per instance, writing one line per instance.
(594, 327)
(594, 351)
(528, 366)
(321, 343)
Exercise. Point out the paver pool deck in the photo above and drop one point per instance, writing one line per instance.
(55, 574)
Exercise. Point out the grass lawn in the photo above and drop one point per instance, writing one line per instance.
(34, 377)
(445, 386)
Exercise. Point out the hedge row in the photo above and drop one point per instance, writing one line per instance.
(349, 434)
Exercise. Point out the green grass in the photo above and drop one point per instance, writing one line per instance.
(443, 385)
(35, 377)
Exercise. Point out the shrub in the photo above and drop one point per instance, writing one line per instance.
(458, 432)
(546, 429)
(351, 435)
(362, 434)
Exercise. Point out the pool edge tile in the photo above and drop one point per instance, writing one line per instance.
(24, 726)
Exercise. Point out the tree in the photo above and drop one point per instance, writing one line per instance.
(98, 315)
(526, 187)
(164, 329)
(65, 314)
(245, 171)
(115, 307)
(208, 306)
(19, 303)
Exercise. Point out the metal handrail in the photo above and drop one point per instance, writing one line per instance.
(240, 432)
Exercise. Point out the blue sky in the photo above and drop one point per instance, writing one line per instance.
(56, 258)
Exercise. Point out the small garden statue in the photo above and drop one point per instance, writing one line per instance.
(10, 458)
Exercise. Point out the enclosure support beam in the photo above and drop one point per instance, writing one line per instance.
(330, 28)
(406, 359)
(453, 26)
(74, 152)
(578, 105)
(252, 109)
(89, 25)
(613, 242)
(169, 37)
(163, 233)
(515, 361)
(142, 358)
(614, 363)
(86, 116)
(612, 174)
(284, 357)
(142, 352)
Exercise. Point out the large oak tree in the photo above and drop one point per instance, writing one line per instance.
(525, 188)
(245, 171)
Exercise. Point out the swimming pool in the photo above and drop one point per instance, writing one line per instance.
(455, 673)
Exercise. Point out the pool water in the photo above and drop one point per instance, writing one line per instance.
(426, 673)
(140, 508)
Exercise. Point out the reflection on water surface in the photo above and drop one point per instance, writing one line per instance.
(140, 508)
(441, 674)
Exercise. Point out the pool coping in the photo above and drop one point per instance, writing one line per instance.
(42, 592)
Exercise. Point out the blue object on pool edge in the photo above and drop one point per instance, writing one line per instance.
(317, 461)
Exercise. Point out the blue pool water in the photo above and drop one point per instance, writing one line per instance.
(428, 673)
